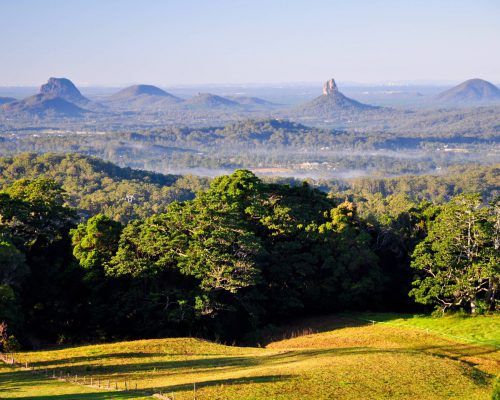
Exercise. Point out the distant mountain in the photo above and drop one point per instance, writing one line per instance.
(65, 89)
(470, 92)
(143, 98)
(5, 100)
(135, 91)
(332, 102)
(43, 105)
(208, 100)
(251, 101)
(59, 97)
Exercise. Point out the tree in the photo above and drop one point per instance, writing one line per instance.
(95, 242)
(207, 240)
(353, 277)
(34, 212)
(458, 260)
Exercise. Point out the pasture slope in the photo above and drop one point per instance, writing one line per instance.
(339, 357)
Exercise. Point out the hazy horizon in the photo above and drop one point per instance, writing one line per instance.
(118, 43)
(312, 83)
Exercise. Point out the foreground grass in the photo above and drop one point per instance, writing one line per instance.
(346, 358)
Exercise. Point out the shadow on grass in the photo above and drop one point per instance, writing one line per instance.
(119, 372)
(305, 326)
(86, 359)
(330, 323)
(456, 352)
(133, 394)
(191, 364)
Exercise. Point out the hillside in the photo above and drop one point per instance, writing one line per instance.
(143, 98)
(473, 91)
(43, 105)
(348, 358)
(138, 90)
(208, 100)
(4, 100)
(93, 185)
(252, 101)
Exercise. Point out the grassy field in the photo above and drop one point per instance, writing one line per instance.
(482, 330)
(341, 357)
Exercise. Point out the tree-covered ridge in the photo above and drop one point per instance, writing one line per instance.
(260, 132)
(95, 186)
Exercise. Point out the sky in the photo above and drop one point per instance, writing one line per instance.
(174, 42)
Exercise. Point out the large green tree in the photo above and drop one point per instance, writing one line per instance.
(458, 260)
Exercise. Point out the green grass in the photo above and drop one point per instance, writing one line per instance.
(26, 385)
(482, 329)
(340, 357)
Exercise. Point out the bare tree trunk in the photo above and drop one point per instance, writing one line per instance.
(491, 293)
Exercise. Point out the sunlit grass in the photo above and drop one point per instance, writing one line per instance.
(347, 358)
(482, 329)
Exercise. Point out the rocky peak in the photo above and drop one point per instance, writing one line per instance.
(330, 88)
(61, 87)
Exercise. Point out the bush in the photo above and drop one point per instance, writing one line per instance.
(11, 345)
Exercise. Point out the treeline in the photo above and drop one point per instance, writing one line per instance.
(241, 255)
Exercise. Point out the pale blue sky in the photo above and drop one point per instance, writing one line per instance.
(169, 42)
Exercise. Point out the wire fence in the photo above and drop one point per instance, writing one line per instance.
(88, 381)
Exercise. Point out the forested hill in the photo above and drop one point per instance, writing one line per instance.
(96, 186)
(263, 133)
